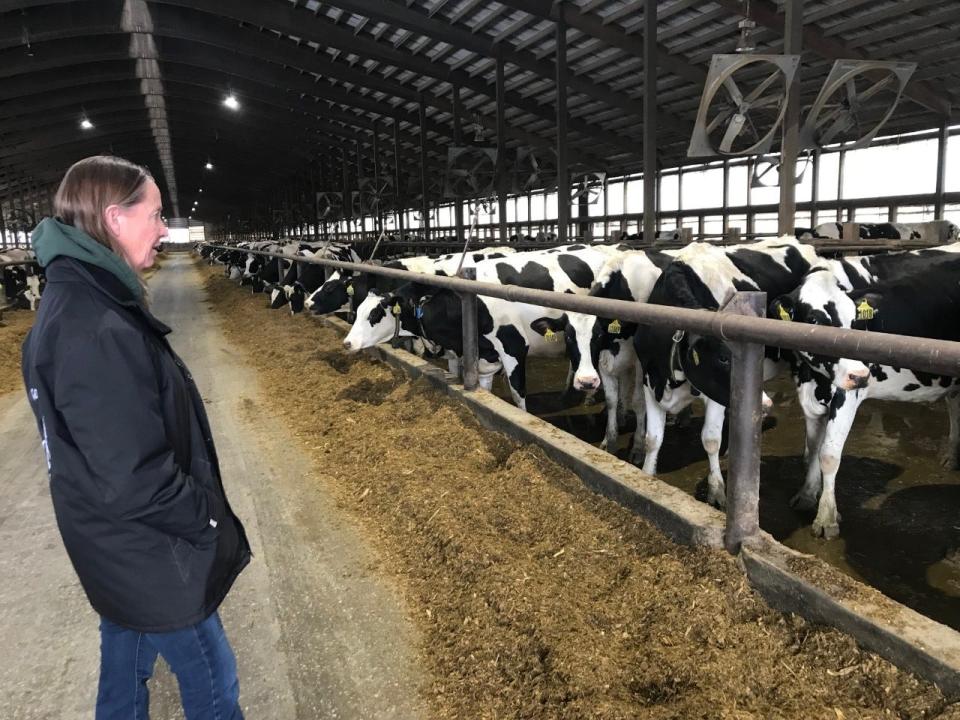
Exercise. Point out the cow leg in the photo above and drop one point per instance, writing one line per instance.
(486, 381)
(638, 402)
(515, 367)
(951, 455)
(806, 497)
(653, 432)
(827, 522)
(711, 436)
(611, 393)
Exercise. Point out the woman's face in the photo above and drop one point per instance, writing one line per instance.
(139, 229)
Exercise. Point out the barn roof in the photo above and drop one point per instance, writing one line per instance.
(319, 79)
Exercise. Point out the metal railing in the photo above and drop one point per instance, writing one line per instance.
(742, 324)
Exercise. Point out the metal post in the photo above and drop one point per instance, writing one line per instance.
(793, 40)
(745, 420)
(425, 207)
(396, 170)
(376, 175)
(501, 174)
(650, 199)
(843, 156)
(470, 362)
(726, 194)
(563, 171)
(458, 140)
(346, 206)
(942, 139)
(815, 189)
(3, 226)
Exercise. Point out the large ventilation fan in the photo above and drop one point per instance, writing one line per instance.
(743, 104)
(858, 97)
(471, 172)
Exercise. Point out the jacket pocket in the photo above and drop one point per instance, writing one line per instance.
(182, 552)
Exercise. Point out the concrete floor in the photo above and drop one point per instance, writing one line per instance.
(317, 633)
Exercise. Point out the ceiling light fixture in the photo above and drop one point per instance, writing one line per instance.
(85, 123)
(231, 102)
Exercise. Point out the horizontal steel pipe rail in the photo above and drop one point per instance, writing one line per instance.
(941, 357)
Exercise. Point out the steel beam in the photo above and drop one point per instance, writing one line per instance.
(563, 172)
(793, 37)
(650, 199)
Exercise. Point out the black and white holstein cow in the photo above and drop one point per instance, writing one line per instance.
(706, 277)
(506, 336)
(302, 279)
(915, 294)
(342, 288)
(920, 232)
(22, 284)
(601, 350)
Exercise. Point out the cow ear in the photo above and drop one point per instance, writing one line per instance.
(781, 309)
(545, 325)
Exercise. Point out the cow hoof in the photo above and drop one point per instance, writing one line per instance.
(803, 502)
(950, 462)
(717, 499)
(636, 458)
(828, 532)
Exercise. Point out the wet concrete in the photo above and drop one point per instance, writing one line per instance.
(900, 528)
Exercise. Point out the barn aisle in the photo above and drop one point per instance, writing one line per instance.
(316, 632)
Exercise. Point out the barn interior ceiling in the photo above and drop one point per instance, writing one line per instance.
(317, 83)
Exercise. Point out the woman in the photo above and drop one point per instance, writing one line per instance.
(133, 471)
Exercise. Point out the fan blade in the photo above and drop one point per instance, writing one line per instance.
(733, 130)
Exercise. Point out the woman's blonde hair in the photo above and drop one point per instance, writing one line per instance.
(91, 186)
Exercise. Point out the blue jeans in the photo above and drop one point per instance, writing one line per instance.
(200, 657)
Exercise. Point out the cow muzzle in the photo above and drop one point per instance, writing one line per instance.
(586, 382)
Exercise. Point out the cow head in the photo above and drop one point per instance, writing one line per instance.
(376, 322)
(824, 298)
(332, 295)
(584, 336)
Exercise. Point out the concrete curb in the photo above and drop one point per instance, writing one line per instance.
(902, 636)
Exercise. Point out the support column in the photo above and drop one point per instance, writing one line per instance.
(792, 45)
(347, 210)
(942, 140)
(650, 199)
(815, 189)
(501, 180)
(396, 170)
(563, 171)
(376, 175)
(458, 140)
(424, 204)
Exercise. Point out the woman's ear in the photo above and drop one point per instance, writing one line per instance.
(112, 219)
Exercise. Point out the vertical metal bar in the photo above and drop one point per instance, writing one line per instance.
(843, 157)
(3, 225)
(396, 170)
(458, 140)
(793, 41)
(376, 175)
(563, 170)
(751, 226)
(470, 362)
(815, 190)
(726, 194)
(650, 194)
(746, 418)
(347, 206)
(425, 207)
(942, 139)
(501, 179)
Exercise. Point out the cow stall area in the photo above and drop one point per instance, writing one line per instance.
(535, 597)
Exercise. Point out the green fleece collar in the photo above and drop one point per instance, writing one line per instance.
(52, 238)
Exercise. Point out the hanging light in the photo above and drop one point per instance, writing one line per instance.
(747, 26)
(85, 123)
(231, 102)
(209, 165)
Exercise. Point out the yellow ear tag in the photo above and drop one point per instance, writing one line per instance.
(614, 327)
(396, 309)
(784, 315)
(550, 336)
(350, 290)
(865, 311)
(696, 358)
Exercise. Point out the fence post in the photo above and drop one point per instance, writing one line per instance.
(471, 341)
(732, 235)
(745, 419)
